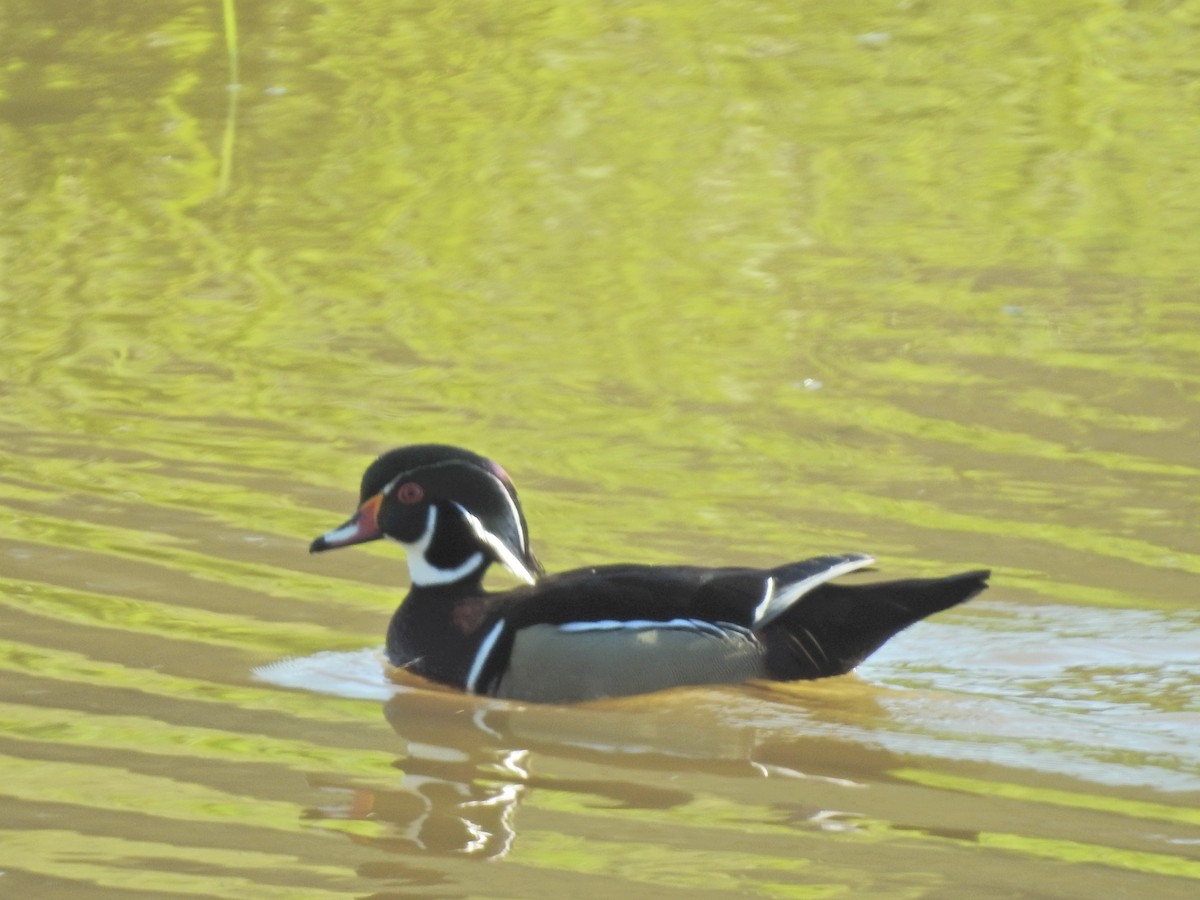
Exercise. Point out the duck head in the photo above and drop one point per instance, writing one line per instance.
(454, 512)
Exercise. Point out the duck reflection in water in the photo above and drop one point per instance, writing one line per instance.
(467, 767)
(465, 772)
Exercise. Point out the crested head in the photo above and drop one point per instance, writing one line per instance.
(388, 466)
(454, 511)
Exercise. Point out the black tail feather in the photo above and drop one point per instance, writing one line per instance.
(837, 626)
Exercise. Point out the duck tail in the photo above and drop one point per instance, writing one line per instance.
(836, 626)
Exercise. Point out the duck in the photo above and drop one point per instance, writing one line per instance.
(608, 630)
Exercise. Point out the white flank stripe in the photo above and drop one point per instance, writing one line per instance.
(485, 650)
(718, 629)
(423, 573)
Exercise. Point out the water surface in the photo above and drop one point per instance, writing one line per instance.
(716, 284)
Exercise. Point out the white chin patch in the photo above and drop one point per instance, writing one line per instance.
(421, 572)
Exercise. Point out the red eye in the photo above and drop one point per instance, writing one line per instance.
(410, 492)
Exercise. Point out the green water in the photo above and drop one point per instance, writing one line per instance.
(717, 283)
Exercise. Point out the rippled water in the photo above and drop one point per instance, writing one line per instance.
(715, 283)
(977, 692)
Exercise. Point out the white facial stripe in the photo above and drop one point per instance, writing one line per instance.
(508, 498)
(773, 606)
(717, 629)
(481, 656)
(421, 572)
(516, 515)
(510, 560)
(419, 568)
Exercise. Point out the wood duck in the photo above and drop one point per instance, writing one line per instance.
(609, 630)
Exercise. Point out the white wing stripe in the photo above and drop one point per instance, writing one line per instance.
(768, 595)
(774, 603)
